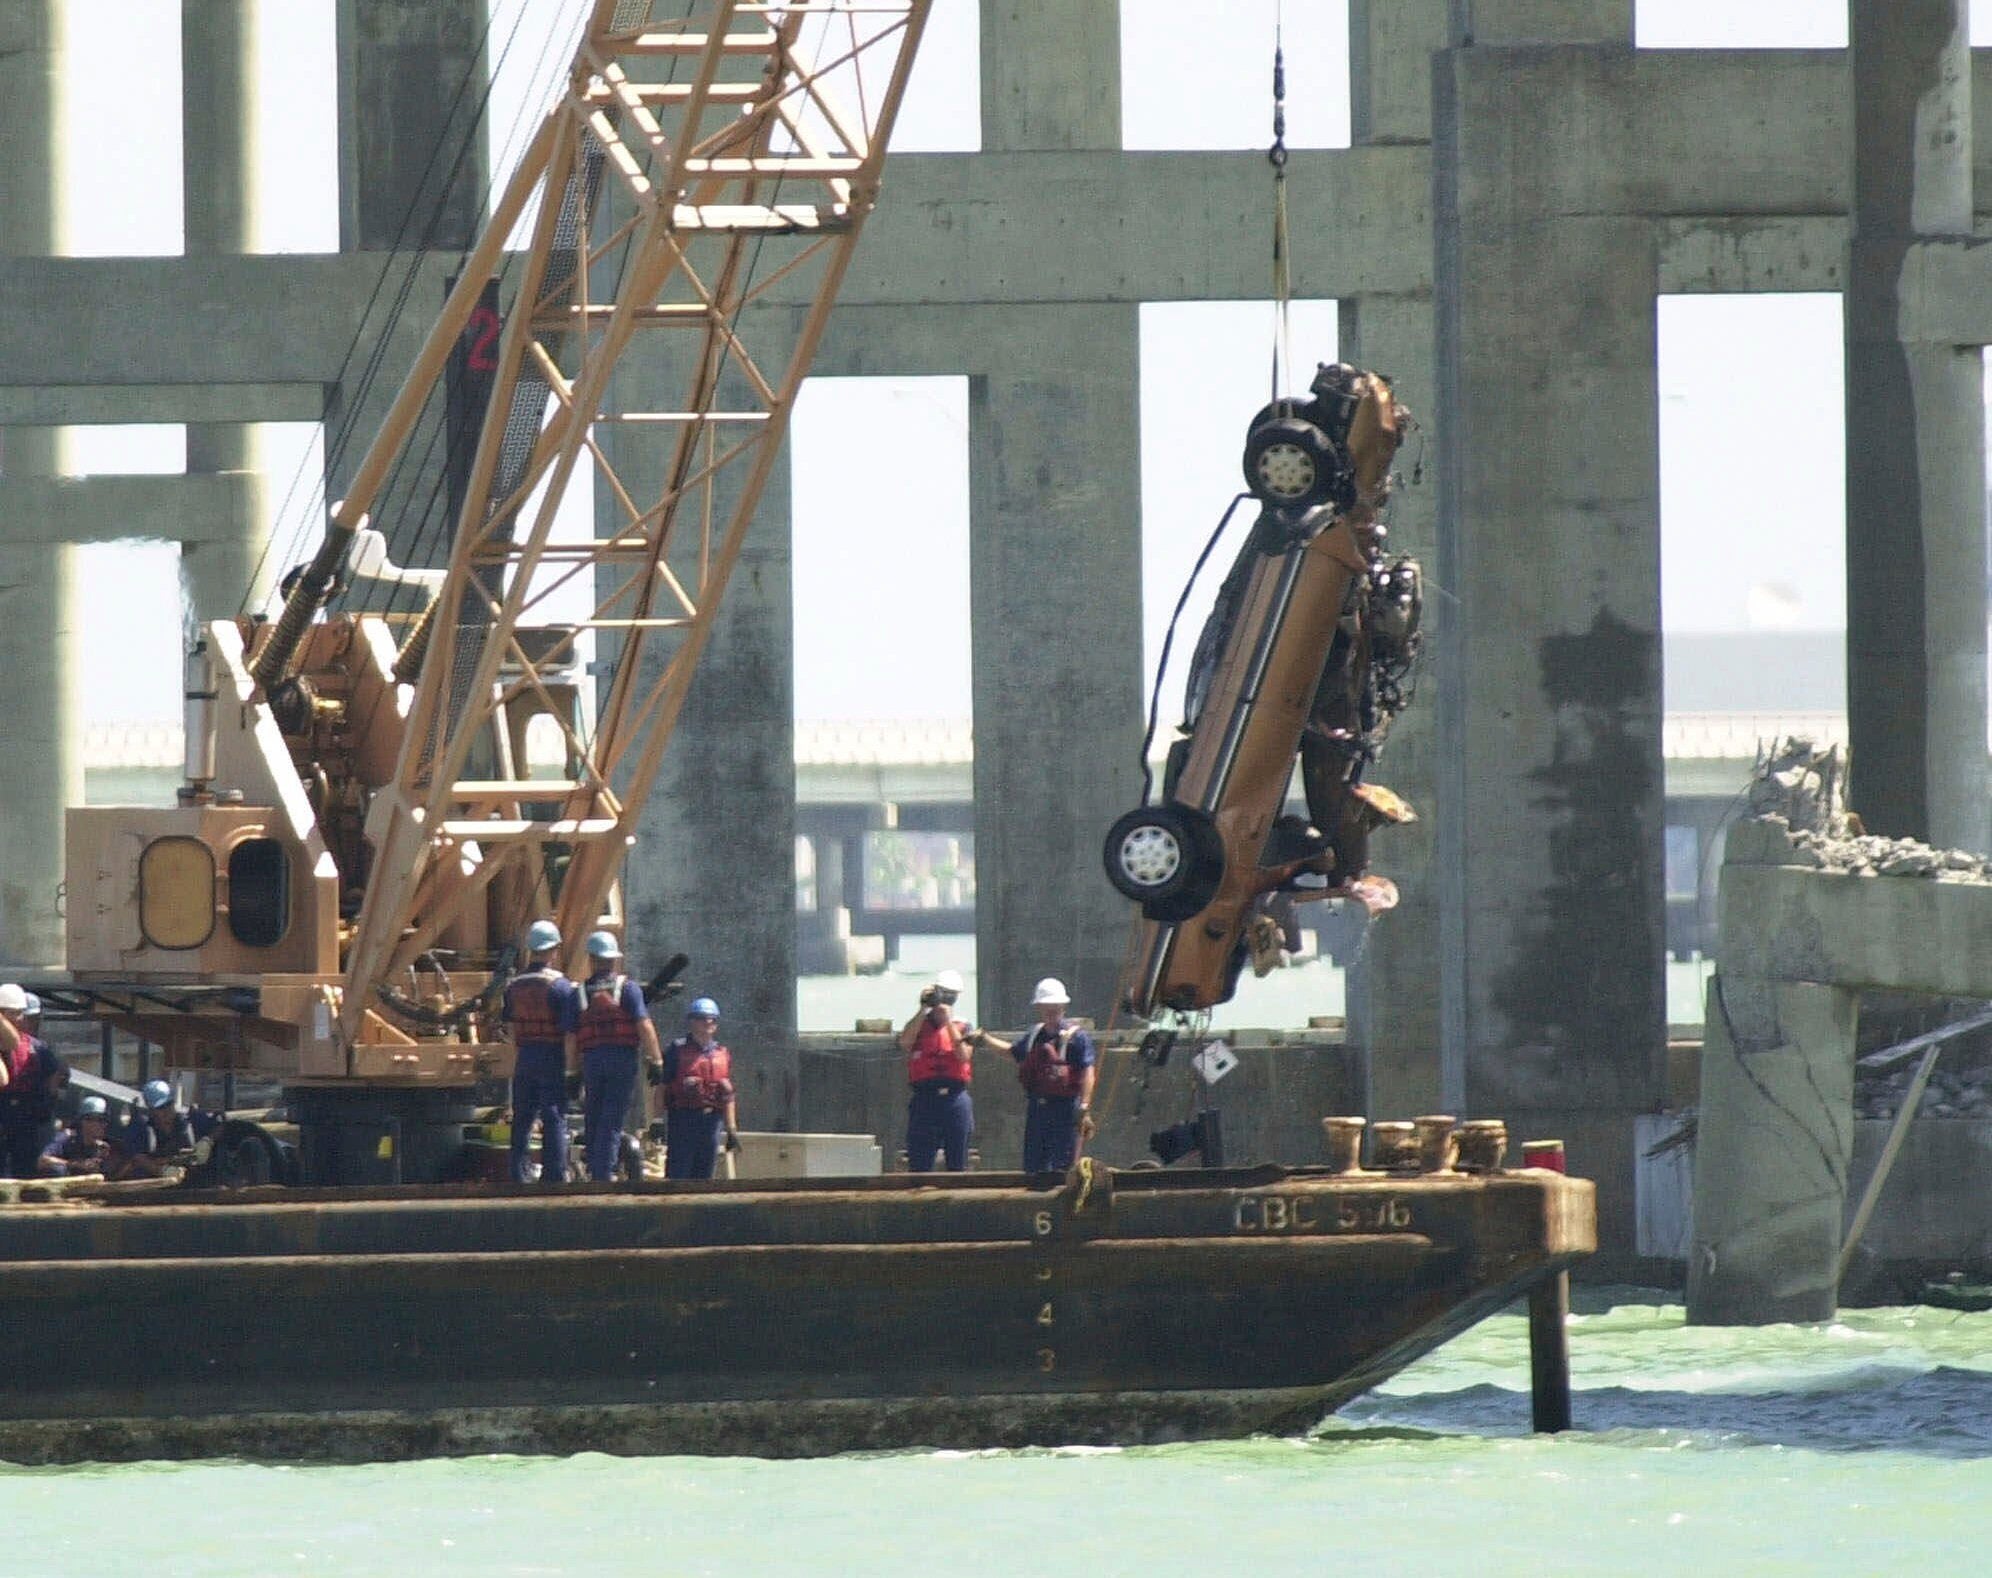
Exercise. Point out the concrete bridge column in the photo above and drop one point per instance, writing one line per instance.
(1394, 987)
(218, 164)
(414, 173)
(712, 873)
(1055, 557)
(1916, 702)
(1055, 579)
(41, 771)
(1771, 1156)
(1548, 684)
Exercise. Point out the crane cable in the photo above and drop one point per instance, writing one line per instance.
(1276, 156)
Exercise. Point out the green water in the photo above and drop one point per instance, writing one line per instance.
(1863, 1447)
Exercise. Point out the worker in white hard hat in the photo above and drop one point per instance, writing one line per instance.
(940, 1065)
(35, 1079)
(541, 1007)
(84, 1148)
(1057, 1064)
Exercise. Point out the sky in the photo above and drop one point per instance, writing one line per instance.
(1774, 526)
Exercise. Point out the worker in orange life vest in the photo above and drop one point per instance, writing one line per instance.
(697, 1075)
(541, 1007)
(613, 1026)
(1057, 1066)
(940, 1065)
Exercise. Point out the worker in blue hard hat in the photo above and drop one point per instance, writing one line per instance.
(697, 1075)
(158, 1133)
(541, 1008)
(612, 1036)
(84, 1148)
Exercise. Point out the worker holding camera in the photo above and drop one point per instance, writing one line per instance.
(940, 1066)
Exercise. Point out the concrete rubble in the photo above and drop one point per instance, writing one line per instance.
(1798, 817)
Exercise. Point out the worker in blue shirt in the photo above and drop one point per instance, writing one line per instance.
(158, 1132)
(612, 1032)
(1057, 1066)
(541, 1007)
(84, 1149)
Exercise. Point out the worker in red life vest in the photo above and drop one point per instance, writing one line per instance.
(697, 1075)
(34, 1078)
(1056, 1063)
(940, 1065)
(612, 1025)
(541, 1007)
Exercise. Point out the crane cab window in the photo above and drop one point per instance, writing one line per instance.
(176, 893)
(258, 892)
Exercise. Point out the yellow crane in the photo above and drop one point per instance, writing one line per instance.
(360, 833)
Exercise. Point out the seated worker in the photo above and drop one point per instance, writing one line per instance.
(158, 1133)
(697, 1075)
(1056, 1064)
(84, 1149)
(34, 1079)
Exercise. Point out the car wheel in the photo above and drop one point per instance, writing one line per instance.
(1162, 857)
(1290, 463)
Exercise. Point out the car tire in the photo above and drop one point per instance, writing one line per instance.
(1290, 464)
(1165, 858)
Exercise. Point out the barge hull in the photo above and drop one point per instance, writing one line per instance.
(739, 1318)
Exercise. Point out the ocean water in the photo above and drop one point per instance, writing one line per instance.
(1859, 1447)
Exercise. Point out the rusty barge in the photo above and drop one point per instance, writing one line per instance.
(776, 1318)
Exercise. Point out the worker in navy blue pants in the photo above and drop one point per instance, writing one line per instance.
(1056, 1064)
(540, 1008)
(612, 1030)
(940, 1067)
(697, 1075)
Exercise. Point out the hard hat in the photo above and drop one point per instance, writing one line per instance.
(12, 999)
(702, 1008)
(156, 1094)
(542, 935)
(603, 945)
(1050, 990)
(949, 981)
(33, 1004)
(93, 1107)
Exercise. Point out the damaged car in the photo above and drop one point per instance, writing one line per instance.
(1305, 658)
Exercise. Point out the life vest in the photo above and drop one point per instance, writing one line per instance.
(938, 1053)
(1045, 1071)
(20, 1062)
(529, 1007)
(704, 1078)
(604, 1020)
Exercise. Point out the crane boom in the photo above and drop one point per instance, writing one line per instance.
(363, 825)
(668, 193)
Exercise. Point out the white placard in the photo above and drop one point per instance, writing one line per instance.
(1214, 1062)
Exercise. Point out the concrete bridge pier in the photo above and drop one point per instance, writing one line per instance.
(1775, 1140)
(226, 570)
(1916, 702)
(41, 770)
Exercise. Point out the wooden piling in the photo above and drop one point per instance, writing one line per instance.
(1549, 1354)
